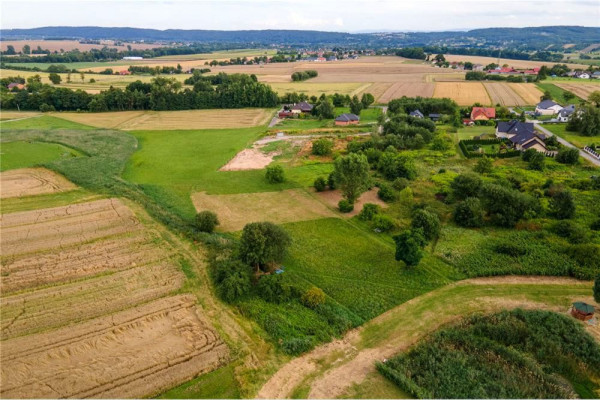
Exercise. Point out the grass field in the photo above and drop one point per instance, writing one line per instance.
(557, 93)
(572, 137)
(43, 122)
(15, 155)
(468, 132)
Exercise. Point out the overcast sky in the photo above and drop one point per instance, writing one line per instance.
(326, 15)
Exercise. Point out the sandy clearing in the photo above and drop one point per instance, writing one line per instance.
(236, 210)
(333, 197)
(32, 181)
(352, 366)
(135, 353)
(529, 92)
(249, 159)
(56, 306)
(50, 228)
(502, 94)
(464, 93)
(582, 90)
(110, 254)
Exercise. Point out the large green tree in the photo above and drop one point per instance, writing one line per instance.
(352, 175)
(263, 243)
(409, 246)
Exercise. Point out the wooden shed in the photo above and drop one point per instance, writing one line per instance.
(582, 311)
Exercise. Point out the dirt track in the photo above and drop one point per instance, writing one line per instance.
(354, 360)
(134, 353)
(31, 181)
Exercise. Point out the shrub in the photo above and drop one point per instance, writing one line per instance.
(562, 205)
(322, 147)
(275, 174)
(46, 108)
(528, 154)
(484, 166)
(469, 213)
(233, 280)
(345, 206)
(428, 221)
(400, 183)
(571, 231)
(595, 226)
(331, 181)
(537, 161)
(274, 288)
(383, 223)
(597, 289)
(92, 80)
(313, 297)
(368, 211)
(408, 247)
(466, 185)
(587, 257)
(386, 193)
(263, 243)
(296, 346)
(507, 206)
(406, 196)
(206, 221)
(568, 156)
(510, 248)
(320, 184)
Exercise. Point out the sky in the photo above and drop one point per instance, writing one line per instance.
(325, 15)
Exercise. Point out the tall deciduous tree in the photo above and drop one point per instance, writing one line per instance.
(352, 175)
(409, 246)
(263, 243)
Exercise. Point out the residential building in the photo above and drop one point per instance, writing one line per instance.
(347, 119)
(522, 135)
(435, 117)
(565, 114)
(417, 114)
(547, 107)
(303, 107)
(483, 113)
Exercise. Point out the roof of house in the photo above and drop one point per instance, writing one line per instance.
(568, 110)
(489, 112)
(527, 143)
(347, 117)
(435, 115)
(416, 113)
(303, 106)
(15, 84)
(583, 307)
(547, 104)
(515, 127)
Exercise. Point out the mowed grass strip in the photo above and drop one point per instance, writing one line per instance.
(43, 123)
(464, 93)
(236, 210)
(317, 89)
(357, 268)
(20, 154)
(173, 120)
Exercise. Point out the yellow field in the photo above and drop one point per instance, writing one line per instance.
(527, 91)
(464, 93)
(67, 45)
(189, 119)
(6, 115)
(501, 93)
(582, 90)
(512, 63)
(317, 89)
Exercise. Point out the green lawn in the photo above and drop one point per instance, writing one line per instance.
(22, 154)
(557, 93)
(43, 122)
(572, 137)
(468, 132)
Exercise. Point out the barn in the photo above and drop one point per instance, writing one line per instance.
(582, 311)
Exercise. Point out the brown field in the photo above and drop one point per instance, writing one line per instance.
(464, 93)
(131, 354)
(582, 90)
(31, 181)
(157, 120)
(511, 63)
(67, 45)
(236, 210)
(6, 115)
(529, 92)
(400, 89)
(502, 93)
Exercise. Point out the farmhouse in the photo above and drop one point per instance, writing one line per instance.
(15, 86)
(483, 113)
(547, 107)
(347, 119)
(303, 107)
(581, 75)
(522, 135)
(417, 114)
(477, 67)
(596, 75)
(435, 117)
(582, 311)
(565, 114)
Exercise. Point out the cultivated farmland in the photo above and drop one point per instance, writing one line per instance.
(400, 89)
(464, 93)
(31, 181)
(529, 92)
(582, 90)
(68, 45)
(501, 93)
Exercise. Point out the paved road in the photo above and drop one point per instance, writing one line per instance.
(562, 141)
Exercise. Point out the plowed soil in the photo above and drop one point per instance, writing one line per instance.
(31, 181)
(134, 353)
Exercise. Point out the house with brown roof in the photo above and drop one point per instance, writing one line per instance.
(483, 113)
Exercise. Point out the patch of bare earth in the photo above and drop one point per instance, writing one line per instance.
(249, 159)
(333, 197)
(134, 353)
(236, 210)
(31, 181)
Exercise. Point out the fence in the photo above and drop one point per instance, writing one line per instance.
(591, 152)
(470, 154)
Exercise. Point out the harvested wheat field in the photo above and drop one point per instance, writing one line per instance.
(68, 45)
(135, 353)
(529, 92)
(6, 115)
(333, 197)
(236, 210)
(582, 90)
(172, 120)
(501, 93)
(463, 93)
(32, 181)
(400, 89)
(522, 64)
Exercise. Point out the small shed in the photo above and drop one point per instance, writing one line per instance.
(582, 311)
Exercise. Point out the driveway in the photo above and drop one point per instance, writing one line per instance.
(562, 141)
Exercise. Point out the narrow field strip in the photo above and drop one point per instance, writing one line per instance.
(529, 92)
(32, 181)
(501, 93)
(463, 93)
(582, 90)
(134, 353)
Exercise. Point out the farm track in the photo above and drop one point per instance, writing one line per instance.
(31, 181)
(331, 369)
(133, 353)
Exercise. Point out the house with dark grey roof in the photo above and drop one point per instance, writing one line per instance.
(347, 119)
(302, 107)
(565, 114)
(522, 135)
(547, 107)
(417, 114)
(435, 117)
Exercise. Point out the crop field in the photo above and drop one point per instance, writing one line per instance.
(67, 45)
(168, 120)
(133, 353)
(31, 181)
(529, 92)
(524, 64)
(236, 210)
(501, 93)
(317, 89)
(582, 90)
(9, 114)
(400, 89)
(464, 93)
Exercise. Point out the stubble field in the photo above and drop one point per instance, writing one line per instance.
(464, 93)
(582, 90)
(31, 181)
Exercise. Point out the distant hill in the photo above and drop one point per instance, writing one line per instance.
(535, 38)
